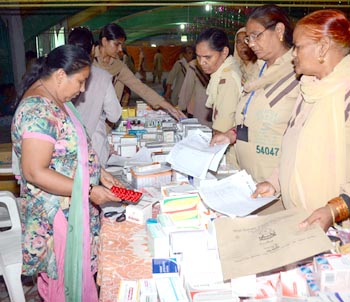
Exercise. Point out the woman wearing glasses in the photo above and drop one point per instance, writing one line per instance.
(266, 104)
(315, 163)
(245, 57)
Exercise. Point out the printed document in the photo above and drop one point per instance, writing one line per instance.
(231, 195)
(194, 156)
(257, 244)
(142, 157)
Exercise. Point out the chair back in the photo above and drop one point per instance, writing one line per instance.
(10, 238)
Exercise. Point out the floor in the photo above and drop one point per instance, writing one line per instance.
(29, 287)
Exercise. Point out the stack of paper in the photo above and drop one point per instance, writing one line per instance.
(232, 195)
(194, 156)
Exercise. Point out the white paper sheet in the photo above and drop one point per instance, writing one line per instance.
(231, 195)
(142, 157)
(193, 155)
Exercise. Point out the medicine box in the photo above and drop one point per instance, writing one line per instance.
(159, 157)
(147, 290)
(159, 147)
(171, 290)
(139, 213)
(195, 240)
(333, 272)
(155, 178)
(169, 136)
(131, 112)
(164, 267)
(183, 208)
(147, 168)
(128, 291)
(158, 241)
(166, 223)
(307, 271)
(294, 284)
(128, 150)
(125, 113)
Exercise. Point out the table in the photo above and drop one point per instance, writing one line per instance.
(123, 254)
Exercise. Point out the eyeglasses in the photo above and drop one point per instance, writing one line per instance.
(256, 37)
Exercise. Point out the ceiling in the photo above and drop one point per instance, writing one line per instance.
(147, 20)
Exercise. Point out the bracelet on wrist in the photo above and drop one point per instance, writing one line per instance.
(341, 208)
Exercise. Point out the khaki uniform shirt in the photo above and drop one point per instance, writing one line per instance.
(176, 78)
(315, 162)
(267, 116)
(227, 94)
(193, 90)
(123, 76)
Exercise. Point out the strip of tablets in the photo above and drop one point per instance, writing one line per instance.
(126, 195)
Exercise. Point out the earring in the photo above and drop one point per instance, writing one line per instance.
(281, 38)
(321, 59)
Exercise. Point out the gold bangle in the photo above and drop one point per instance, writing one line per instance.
(332, 212)
(342, 210)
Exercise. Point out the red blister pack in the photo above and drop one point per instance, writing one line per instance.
(126, 195)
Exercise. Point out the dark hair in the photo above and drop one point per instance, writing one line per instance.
(216, 38)
(269, 15)
(68, 57)
(81, 37)
(30, 54)
(327, 23)
(112, 31)
(187, 48)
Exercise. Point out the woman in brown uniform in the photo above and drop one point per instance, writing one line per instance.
(212, 49)
(111, 39)
(266, 104)
(315, 161)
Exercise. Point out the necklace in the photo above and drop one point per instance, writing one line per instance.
(48, 91)
(53, 98)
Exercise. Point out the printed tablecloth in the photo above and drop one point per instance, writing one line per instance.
(123, 254)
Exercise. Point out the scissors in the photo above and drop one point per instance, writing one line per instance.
(120, 215)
